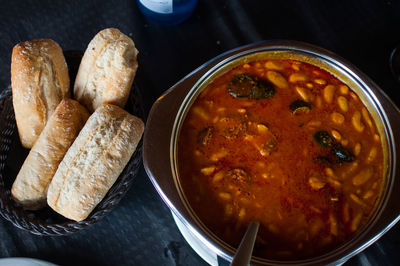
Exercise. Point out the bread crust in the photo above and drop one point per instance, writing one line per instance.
(30, 186)
(39, 81)
(94, 161)
(107, 70)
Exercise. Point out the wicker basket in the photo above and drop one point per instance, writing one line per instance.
(12, 156)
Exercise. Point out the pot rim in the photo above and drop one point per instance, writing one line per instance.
(190, 86)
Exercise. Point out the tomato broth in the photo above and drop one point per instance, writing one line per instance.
(287, 144)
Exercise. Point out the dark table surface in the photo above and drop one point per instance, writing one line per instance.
(140, 230)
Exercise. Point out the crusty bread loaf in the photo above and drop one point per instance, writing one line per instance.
(39, 80)
(94, 161)
(33, 179)
(107, 70)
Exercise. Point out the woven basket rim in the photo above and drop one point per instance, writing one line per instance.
(27, 220)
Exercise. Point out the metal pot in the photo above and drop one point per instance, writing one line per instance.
(168, 113)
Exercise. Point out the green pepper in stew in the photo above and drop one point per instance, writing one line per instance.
(262, 90)
(299, 106)
(323, 138)
(244, 86)
(342, 154)
(241, 86)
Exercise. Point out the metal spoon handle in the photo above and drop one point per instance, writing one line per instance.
(245, 250)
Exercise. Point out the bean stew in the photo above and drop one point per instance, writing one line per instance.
(287, 144)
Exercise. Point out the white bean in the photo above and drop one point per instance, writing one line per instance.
(303, 92)
(343, 104)
(296, 77)
(356, 121)
(329, 91)
(277, 79)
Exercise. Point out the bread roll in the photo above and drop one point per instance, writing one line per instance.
(33, 179)
(94, 161)
(107, 70)
(39, 80)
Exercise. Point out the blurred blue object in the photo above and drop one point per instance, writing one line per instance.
(166, 12)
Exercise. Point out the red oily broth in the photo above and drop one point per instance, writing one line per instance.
(287, 144)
